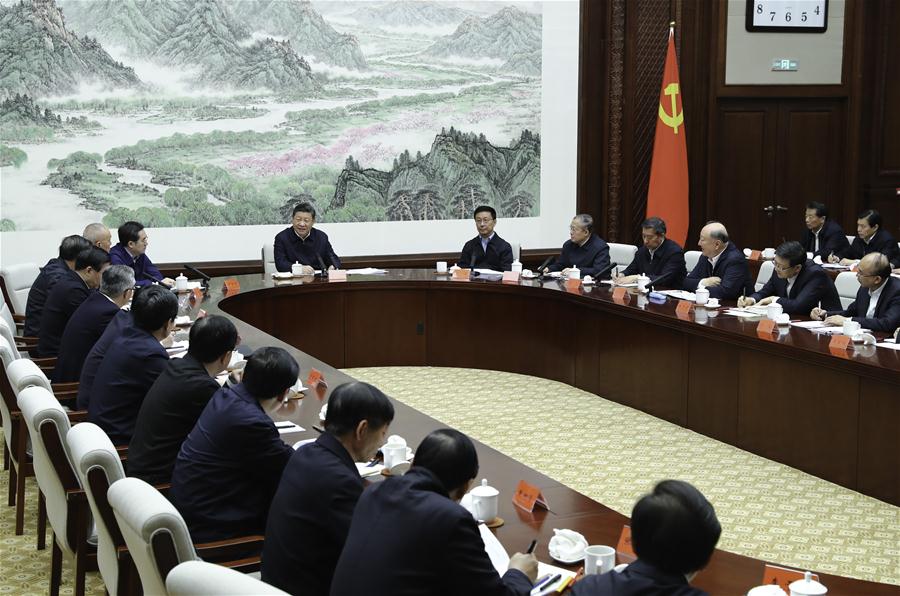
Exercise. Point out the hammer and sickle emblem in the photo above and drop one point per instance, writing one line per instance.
(676, 119)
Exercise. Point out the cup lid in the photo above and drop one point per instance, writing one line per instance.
(807, 586)
(483, 490)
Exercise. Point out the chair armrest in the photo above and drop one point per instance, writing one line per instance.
(62, 388)
(163, 488)
(248, 565)
(19, 318)
(77, 416)
(228, 550)
(24, 344)
(50, 361)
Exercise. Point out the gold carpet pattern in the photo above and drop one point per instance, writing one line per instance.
(615, 454)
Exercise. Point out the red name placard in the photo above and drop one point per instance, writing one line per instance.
(620, 295)
(528, 496)
(316, 381)
(754, 255)
(337, 275)
(232, 285)
(461, 274)
(511, 277)
(196, 294)
(783, 577)
(683, 310)
(766, 328)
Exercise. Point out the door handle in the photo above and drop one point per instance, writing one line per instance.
(781, 208)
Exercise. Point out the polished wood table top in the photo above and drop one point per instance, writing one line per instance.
(727, 573)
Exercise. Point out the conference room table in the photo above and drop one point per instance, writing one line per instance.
(623, 348)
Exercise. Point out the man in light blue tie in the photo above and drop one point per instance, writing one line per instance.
(487, 250)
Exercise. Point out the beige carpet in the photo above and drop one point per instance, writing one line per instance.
(767, 510)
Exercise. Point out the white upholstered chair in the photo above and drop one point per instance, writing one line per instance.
(621, 255)
(67, 508)
(268, 259)
(765, 272)
(199, 577)
(18, 279)
(847, 286)
(691, 257)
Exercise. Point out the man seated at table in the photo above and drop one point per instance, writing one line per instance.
(70, 290)
(89, 321)
(409, 535)
(177, 397)
(584, 250)
(98, 235)
(487, 250)
(798, 284)
(823, 237)
(132, 251)
(877, 304)
(722, 268)
(674, 531)
(94, 359)
(230, 464)
(869, 238)
(43, 283)
(310, 514)
(133, 362)
(660, 259)
(303, 243)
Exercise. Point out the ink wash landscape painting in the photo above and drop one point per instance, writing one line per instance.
(228, 112)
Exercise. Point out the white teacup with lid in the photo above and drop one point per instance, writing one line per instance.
(701, 296)
(767, 590)
(394, 451)
(181, 283)
(516, 266)
(807, 587)
(297, 269)
(773, 310)
(642, 282)
(485, 501)
(574, 272)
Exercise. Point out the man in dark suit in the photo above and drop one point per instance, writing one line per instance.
(722, 268)
(584, 249)
(98, 235)
(70, 290)
(133, 362)
(178, 396)
(660, 259)
(409, 535)
(132, 251)
(114, 329)
(311, 512)
(674, 531)
(870, 237)
(230, 464)
(90, 320)
(303, 243)
(877, 304)
(798, 285)
(823, 237)
(487, 250)
(43, 283)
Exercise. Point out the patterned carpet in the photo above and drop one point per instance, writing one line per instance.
(767, 510)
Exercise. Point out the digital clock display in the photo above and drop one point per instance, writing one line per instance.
(794, 16)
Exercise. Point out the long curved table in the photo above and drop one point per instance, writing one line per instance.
(717, 377)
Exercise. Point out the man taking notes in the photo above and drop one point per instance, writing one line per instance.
(869, 238)
(409, 535)
(584, 250)
(487, 250)
(798, 284)
(877, 304)
(660, 259)
(303, 243)
(722, 268)
(311, 512)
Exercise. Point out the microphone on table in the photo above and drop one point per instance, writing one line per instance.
(196, 271)
(546, 262)
(322, 264)
(472, 272)
(605, 270)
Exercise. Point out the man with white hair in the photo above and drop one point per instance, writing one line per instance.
(722, 268)
(98, 235)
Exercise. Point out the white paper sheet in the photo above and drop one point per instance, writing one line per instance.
(500, 560)
(366, 271)
(835, 266)
(680, 294)
(742, 313)
(809, 324)
(889, 346)
(367, 470)
(288, 427)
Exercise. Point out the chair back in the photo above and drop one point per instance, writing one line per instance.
(691, 258)
(8, 333)
(8, 403)
(847, 286)
(17, 279)
(98, 466)
(199, 577)
(48, 425)
(268, 259)
(621, 254)
(156, 534)
(25, 373)
(765, 272)
(6, 316)
(850, 239)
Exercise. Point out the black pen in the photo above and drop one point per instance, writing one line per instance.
(531, 547)
(545, 584)
(318, 428)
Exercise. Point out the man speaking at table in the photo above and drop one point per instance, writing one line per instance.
(660, 259)
(487, 250)
(584, 249)
(303, 243)
(798, 285)
(722, 268)
(877, 304)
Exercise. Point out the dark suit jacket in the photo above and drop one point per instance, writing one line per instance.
(310, 517)
(228, 468)
(732, 267)
(591, 259)
(82, 331)
(37, 295)
(812, 286)
(881, 242)
(831, 240)
(498, 257)
(408, 538)
(887, 311)
(67, 294)
(117, 324)
(638, 579)
(145, 272)
(133, 362)
(168, 413)
(665, 269)
(290, 249)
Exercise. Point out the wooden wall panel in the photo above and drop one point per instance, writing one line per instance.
(399, 329)
(879, 445)
(713, 381)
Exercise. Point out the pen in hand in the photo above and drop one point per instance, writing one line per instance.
(531, 547)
